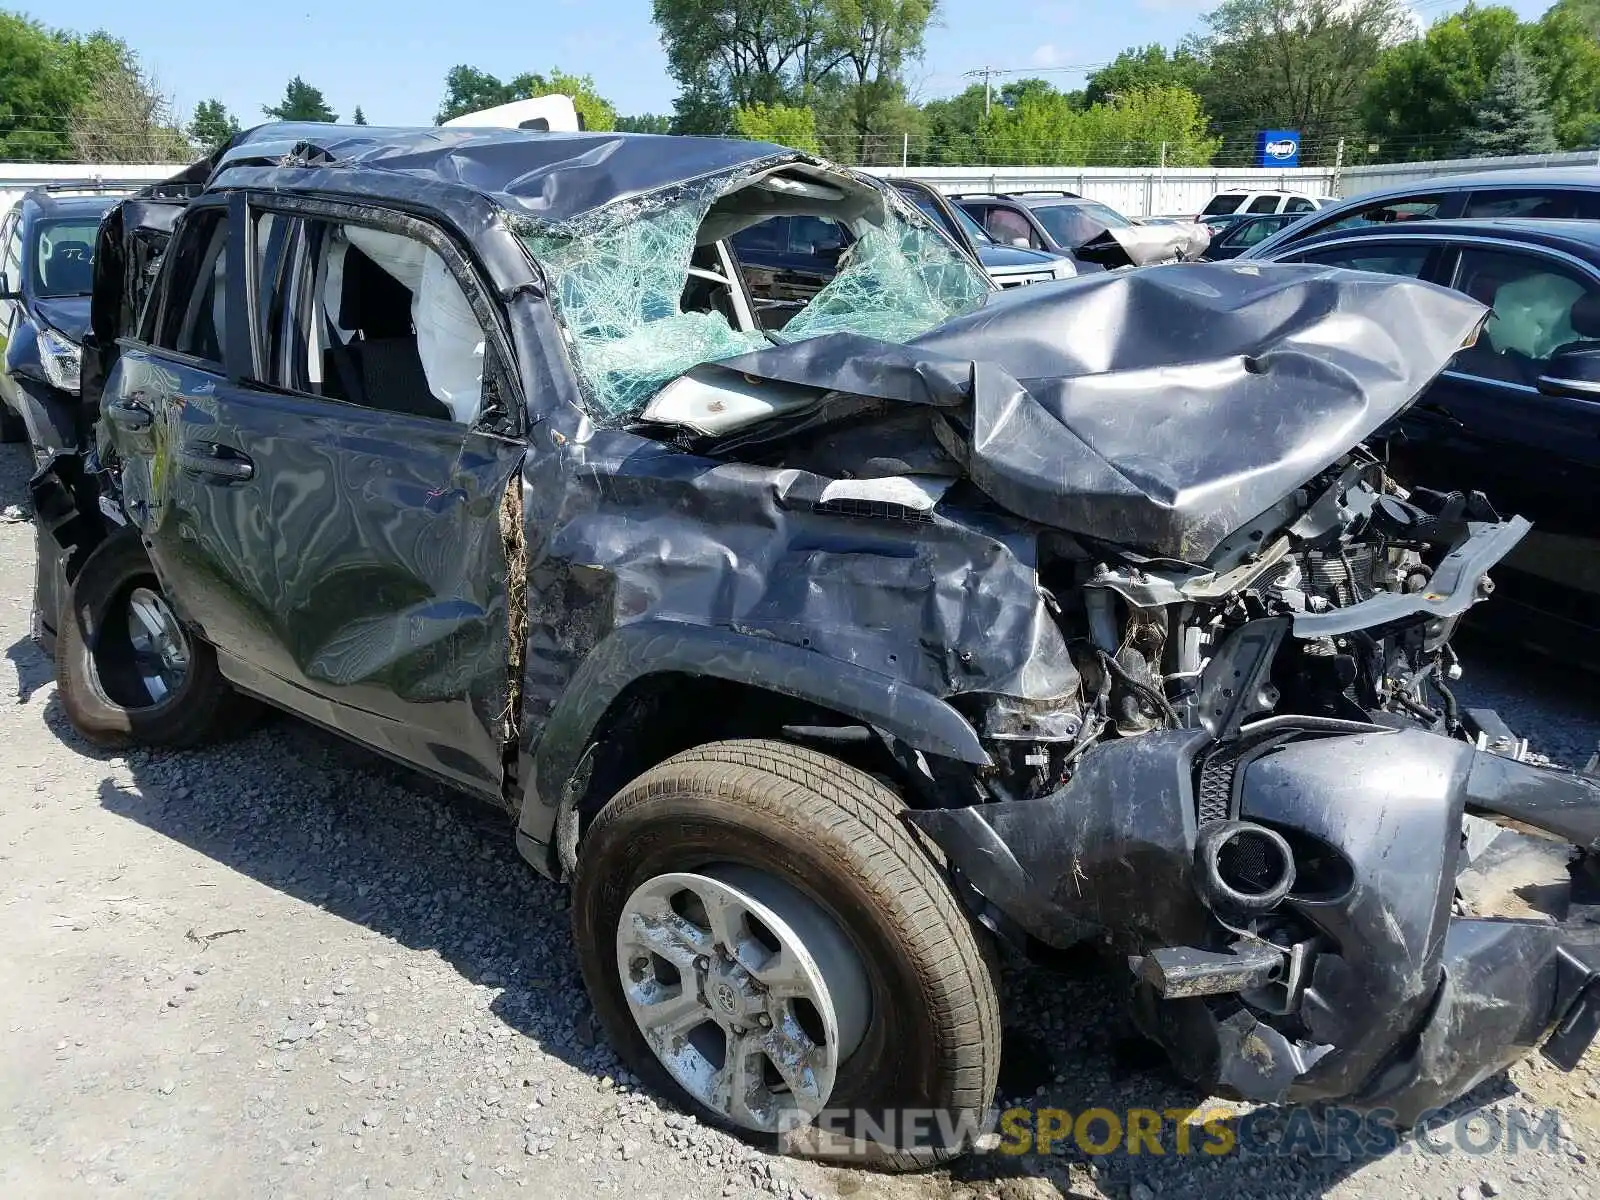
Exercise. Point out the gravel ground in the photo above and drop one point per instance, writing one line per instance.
(283, 967)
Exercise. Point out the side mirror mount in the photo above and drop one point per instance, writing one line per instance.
(1573, 371)
(6, 290)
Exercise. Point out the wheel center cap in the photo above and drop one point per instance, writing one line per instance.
(724, 998)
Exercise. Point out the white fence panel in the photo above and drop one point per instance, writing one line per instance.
(1137, 191)
(1142, 191)
(16, 178)
(1358, 180)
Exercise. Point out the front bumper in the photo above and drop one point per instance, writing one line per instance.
(1393, 1000)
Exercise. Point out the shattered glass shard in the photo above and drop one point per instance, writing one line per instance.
(617, 277)
(898, 282)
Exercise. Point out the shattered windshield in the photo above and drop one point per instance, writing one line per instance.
(619, 278)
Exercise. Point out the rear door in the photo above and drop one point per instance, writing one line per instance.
(318, 450)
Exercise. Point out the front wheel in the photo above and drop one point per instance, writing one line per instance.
(127, 671)
(764, 939)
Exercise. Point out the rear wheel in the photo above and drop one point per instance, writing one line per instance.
(126, 668)
(765, 940)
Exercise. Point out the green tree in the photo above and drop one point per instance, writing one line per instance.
(875, 39)
(1422, 93)
(952, 128)
(1563, 48)
(728, 53)
(40, 85)
(1294, 64)
(1514, 117)
(123, 116)
(468, 89)
(957, 131)
(780, 124)
(1145, 67)
(212, 125)
(645, 123)
(360, 117)
(1015, 92)
(301, 102)
(1134, 131)
(701, 107)
(1587, 13)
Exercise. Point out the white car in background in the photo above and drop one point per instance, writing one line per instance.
(1251, 203)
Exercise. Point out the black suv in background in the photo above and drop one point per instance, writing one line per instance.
(46, 271)
(1008, 265)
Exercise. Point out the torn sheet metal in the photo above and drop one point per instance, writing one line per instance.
(1140, 245)
(781, 555)
(1162, 408)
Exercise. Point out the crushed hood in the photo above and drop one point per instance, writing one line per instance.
(68, 315)
(1141, 245)
(1160, 408)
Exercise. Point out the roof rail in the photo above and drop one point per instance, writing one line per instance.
(96, 185)
(1048, 192)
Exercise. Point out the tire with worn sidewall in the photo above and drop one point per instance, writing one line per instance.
(202, 709)
(836, 834)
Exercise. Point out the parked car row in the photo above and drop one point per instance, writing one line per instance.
(821, 610)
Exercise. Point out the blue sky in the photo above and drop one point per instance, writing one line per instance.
(390, 56)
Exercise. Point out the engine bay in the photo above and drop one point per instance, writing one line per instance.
(1143, 632)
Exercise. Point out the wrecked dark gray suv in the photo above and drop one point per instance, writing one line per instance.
(819, 656)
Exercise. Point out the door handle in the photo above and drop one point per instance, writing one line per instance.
(130, 414)
(220, 462)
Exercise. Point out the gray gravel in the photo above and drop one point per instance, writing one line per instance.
(284, 967)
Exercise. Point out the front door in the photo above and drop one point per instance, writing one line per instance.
(1486, 424)
(320, 481)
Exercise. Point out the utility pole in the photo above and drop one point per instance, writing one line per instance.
(1338, 166)
(987, 73)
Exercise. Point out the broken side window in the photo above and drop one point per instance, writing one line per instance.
(618, 277)
(366, 316)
